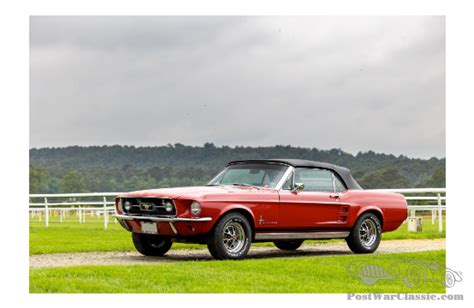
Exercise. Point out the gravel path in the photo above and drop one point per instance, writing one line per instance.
(177, 255)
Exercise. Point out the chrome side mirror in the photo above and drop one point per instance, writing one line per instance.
(297, 187)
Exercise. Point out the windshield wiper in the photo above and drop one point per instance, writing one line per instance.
(246, 185)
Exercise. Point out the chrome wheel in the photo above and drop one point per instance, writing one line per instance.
(231, 237)
(234, 236)
(368, 233)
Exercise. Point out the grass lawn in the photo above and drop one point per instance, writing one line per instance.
(71, 236)
(324, 274)
(75, 237)
(88, 236)
(430, 231)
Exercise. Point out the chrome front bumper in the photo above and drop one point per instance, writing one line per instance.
(162, 219)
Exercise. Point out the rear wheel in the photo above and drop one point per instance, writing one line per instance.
(231, 237)
(150, 244)
(288, 245)
(366, 235)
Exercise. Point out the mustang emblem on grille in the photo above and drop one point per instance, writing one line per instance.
(146, 206)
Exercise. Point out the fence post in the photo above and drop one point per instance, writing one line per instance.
(61, 216)
(46, 212)
(440, 214)
(80, 214)
(106, 217)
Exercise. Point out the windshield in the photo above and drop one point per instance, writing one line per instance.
(259, 175)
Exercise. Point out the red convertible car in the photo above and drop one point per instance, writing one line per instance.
(285, 201)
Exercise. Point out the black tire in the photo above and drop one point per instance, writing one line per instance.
(223, 244)
(150, 244)
(354, 241)
(288, 245)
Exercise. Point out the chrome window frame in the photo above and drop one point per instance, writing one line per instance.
(337, 178)
(333, 182)
(333, 176)
(279, 184)
(218, 175)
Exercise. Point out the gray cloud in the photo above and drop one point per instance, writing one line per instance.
(356, 83)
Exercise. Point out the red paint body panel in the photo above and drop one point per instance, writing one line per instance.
(307, 210)
(273, 211)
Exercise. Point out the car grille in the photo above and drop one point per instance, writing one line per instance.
(149, 207)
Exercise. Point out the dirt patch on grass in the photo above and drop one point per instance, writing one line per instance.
(178, 255)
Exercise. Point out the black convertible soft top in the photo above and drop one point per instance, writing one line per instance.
(344, 173)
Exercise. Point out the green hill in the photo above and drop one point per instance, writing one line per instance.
(123, 168)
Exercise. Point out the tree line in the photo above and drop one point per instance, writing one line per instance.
(125, 168)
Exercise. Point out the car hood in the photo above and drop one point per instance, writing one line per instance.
(196, 192)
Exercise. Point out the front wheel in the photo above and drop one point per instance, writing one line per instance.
(230, 238)
(366, 235)
(288, 245)
(151, 245)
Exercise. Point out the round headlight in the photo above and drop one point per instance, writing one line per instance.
(195, 208)
(168, 206)
(127, 205)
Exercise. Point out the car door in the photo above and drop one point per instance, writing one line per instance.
(316, 206)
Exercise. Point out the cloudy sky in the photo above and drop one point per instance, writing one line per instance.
(355, 83)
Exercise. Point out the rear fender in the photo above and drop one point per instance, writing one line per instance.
(371, 208)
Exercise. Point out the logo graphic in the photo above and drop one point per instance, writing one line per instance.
(146, 206)
(413, 272)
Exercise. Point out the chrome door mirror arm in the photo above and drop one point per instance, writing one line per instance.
(297, 187)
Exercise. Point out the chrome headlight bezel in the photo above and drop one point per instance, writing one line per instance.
(195, 208)
(168, 206)
(127, 205)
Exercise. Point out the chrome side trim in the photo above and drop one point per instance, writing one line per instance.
(301, 235)
(162, 219)
(315, 202)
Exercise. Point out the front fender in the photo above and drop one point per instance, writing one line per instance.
(240, 208)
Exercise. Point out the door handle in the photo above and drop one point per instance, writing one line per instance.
(334, 197)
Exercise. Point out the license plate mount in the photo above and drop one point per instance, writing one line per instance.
(149, 227)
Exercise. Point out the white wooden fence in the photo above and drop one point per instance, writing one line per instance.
(433, 200)
(100, 203)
